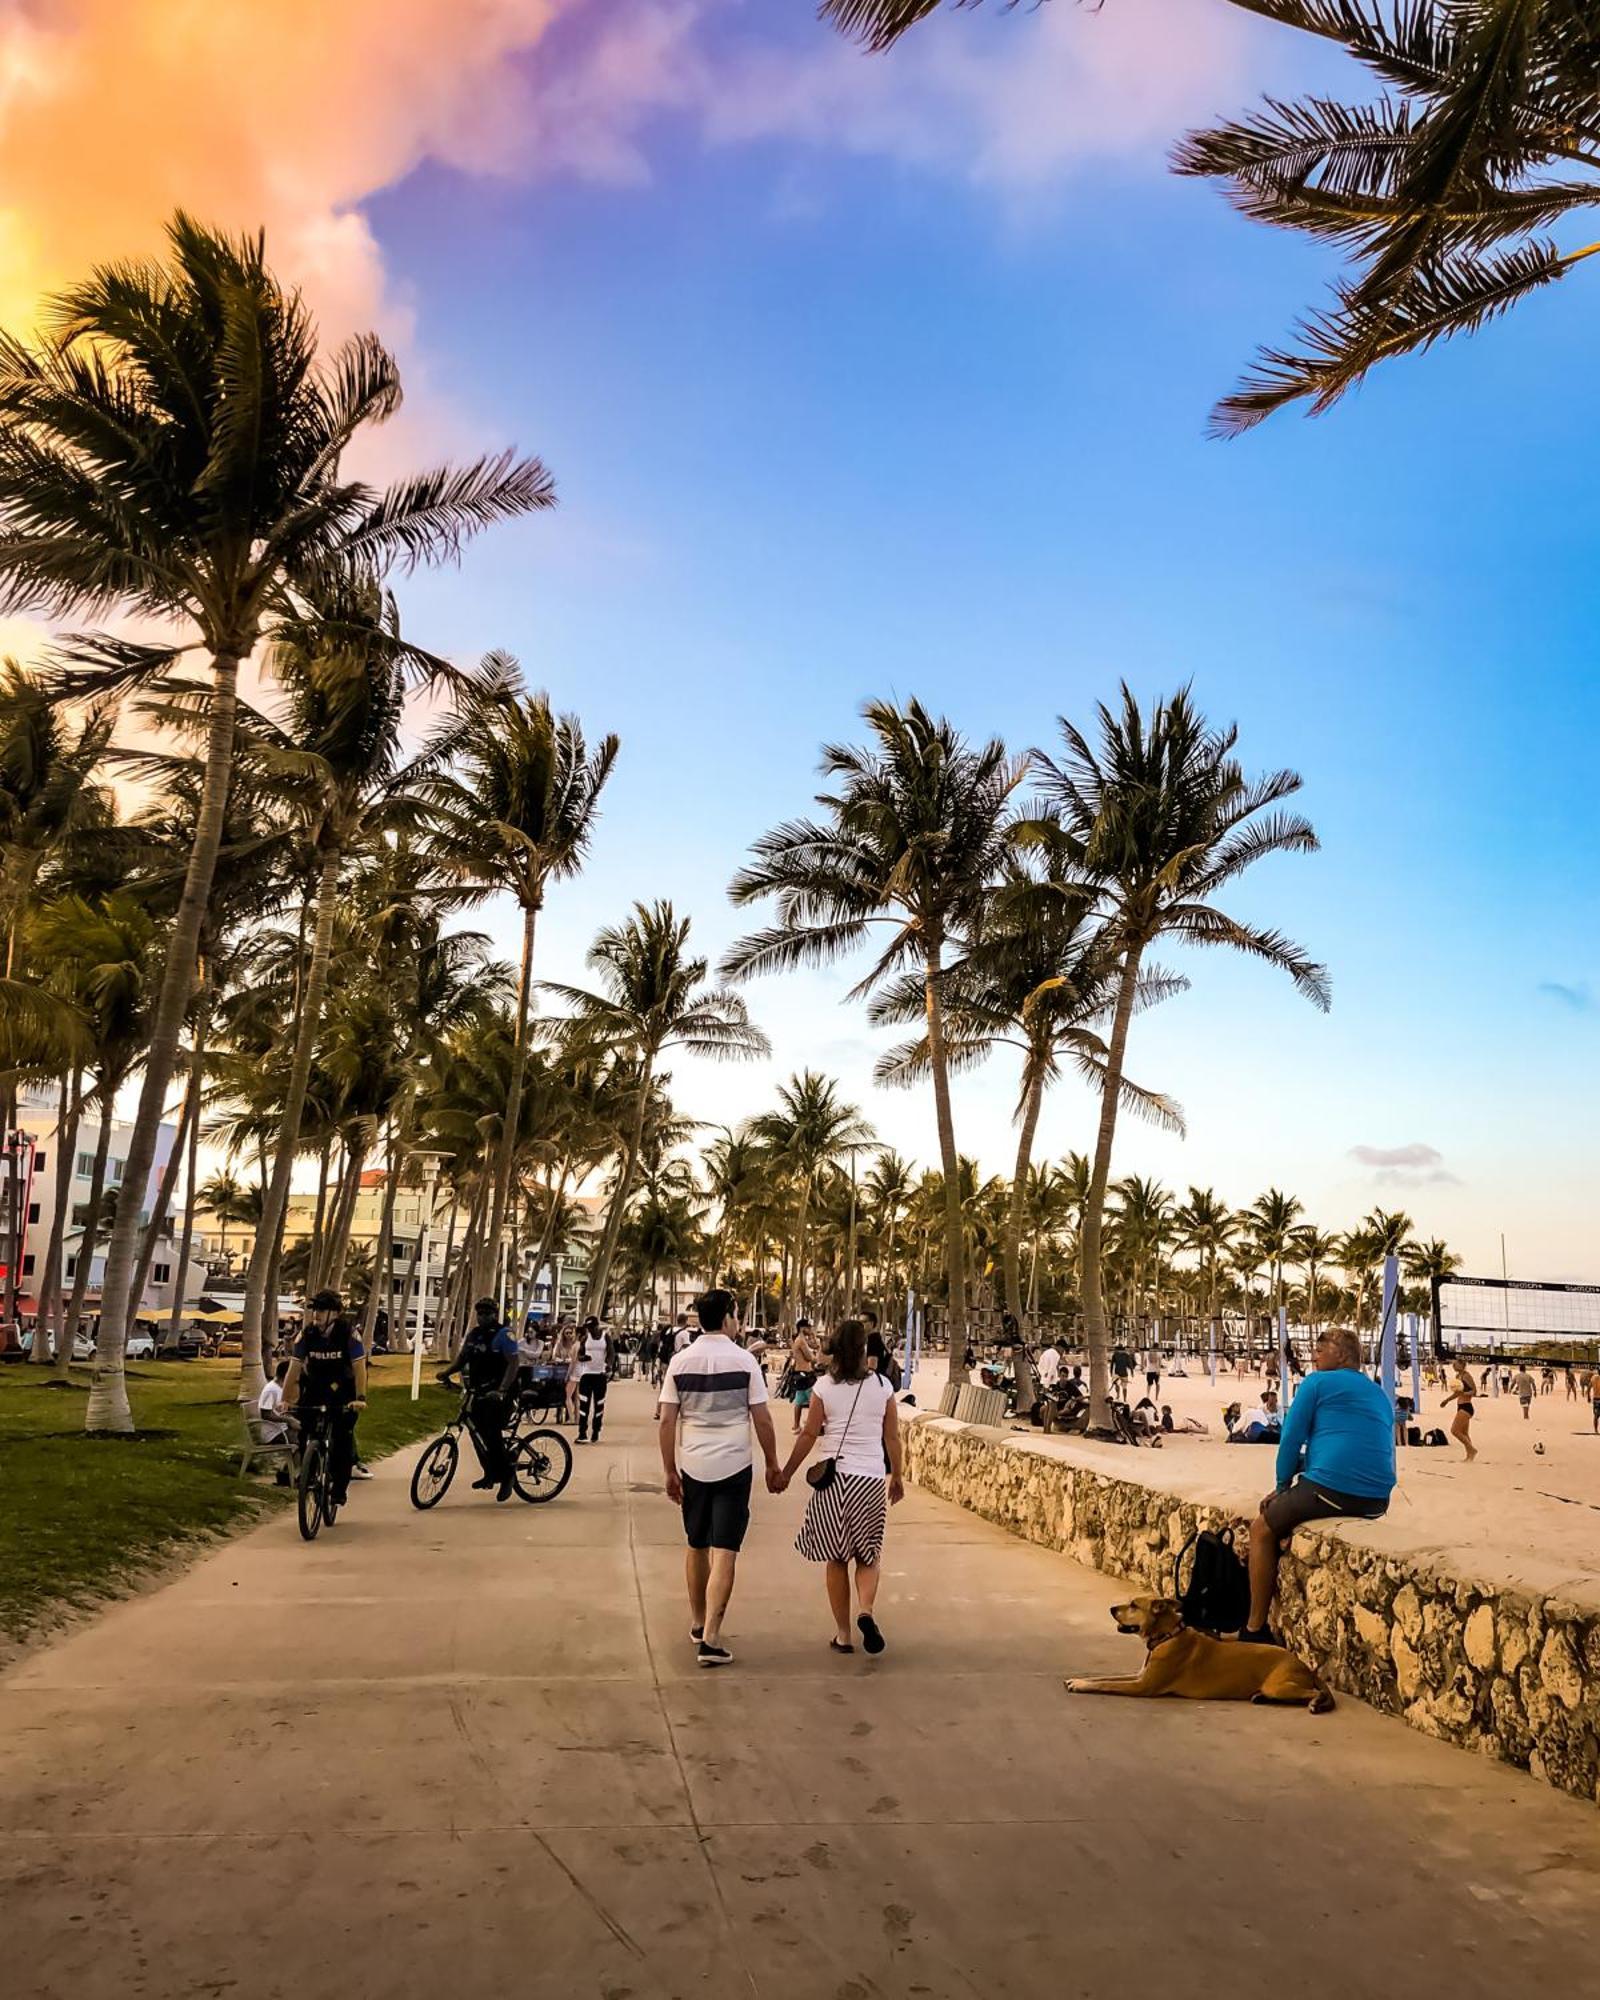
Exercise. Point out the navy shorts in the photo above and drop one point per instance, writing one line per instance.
(716, 1512)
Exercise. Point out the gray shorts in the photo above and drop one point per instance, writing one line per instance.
(1305, 1500)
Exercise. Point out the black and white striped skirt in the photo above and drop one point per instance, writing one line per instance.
(845, 1520)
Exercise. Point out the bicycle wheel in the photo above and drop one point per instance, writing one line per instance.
(308, 1498)
(435, 1470)
(541, 1464)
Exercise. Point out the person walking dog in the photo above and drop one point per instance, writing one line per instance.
(853, 1415)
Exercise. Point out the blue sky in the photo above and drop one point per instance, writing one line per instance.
(908, 436)
(889, 376)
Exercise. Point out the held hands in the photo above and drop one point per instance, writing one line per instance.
(777, 1479)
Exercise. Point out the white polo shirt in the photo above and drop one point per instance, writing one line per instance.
(715, 1385)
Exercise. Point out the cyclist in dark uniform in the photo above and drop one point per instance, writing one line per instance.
(328, 1371)
(487, 1368)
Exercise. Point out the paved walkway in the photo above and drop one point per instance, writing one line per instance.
(469, 1752)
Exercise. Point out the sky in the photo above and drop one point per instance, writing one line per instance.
(868, 376)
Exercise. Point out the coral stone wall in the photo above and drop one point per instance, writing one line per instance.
(1488, 1667)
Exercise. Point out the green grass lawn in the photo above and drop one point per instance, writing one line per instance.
(81, 1516)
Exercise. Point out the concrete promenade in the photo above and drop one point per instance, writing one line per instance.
(469, 1752)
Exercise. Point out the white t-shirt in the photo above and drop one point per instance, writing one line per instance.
(715, 1385)
(592, 1354)
(855, 1440)
(268, 1407)
(1050, 1367)
(682, 1339)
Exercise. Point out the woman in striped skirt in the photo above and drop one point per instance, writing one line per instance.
(854, 1417)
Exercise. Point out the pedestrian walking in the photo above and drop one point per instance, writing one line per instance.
(1462, 1391)
(712, 1397)
(596, 1360)
(853, 1415)
(1526, 1389)
(805, 1357)
(1594, 1397)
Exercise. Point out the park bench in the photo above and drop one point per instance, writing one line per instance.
(258, 1445)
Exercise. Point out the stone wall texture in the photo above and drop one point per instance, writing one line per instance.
(1493, 1669)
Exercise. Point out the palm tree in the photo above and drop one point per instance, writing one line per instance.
(880, 22)
(1207, 1227)
(518, 813)
(1271, 1219)
(1442, 189)
(810, 1131)
(1313, 1248)
(916, 829)
(1162, 815)
(171, 446)
(228, 1199)
(653, 997)
(1042, 973)
(1430, 1264)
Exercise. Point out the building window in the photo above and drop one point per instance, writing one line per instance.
(161, 1273)
(33, 1211)
(27, 1265)
(72, 1267)
(114, 1170)
(85, 1166)
(39, 1163)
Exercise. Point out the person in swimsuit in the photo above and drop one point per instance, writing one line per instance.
(805, 1357)
(1461, 1395)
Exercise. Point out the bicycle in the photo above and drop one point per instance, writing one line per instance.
(541, 1463)
(315, 1504)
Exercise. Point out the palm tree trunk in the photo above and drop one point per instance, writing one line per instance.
(1094, 1209)
(191, 1192)
(108, 1392)
(955, 1242)
(506, 1152)
(381, 1286)
(1011, 1243)
(91, 1231)
(595, 1295)
(345, 1213)
(319, 1216)
(66, 1142)
(264, 1256)
(187, 1116)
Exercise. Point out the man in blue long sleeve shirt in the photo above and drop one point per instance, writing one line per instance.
(1335, 1460)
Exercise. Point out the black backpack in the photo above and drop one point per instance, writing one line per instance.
(1216, 1598)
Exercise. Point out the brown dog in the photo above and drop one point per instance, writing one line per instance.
(1198, 1668)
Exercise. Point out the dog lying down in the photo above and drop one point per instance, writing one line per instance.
(1197, 1668)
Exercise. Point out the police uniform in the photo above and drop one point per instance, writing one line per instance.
(485, 1355)
(327, 1356)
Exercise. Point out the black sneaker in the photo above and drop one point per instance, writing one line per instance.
(482, 1485)
(709, 1655)
(696, 1634)
(872, 1640)
(1259, 1637)
(507, 1488)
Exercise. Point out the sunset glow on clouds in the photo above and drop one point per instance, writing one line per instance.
(288, 114)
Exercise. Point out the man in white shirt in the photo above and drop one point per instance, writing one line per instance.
(269, 1410)
(712, 1394)
(1049, 1369)
(683, 1334)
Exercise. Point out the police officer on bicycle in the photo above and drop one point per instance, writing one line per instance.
(328, 1371)
(487, 1367)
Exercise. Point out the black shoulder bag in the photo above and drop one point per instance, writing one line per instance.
(822, 1474)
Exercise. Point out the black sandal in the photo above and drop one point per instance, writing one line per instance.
(835, 1647)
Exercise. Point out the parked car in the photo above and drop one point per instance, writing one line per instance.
(141, 1347)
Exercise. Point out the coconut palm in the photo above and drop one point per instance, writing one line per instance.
(880, 22)
(171, 446)
(1207, 1227)
(653, 996)
(1313, 1248)
(914, 833)
(811, 1130)
(1271, 1219)
(518, 812)
(1429, 1264)
(1162, 815)
(1442, 190)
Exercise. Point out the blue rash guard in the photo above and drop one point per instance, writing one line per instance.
(1343, 1423)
